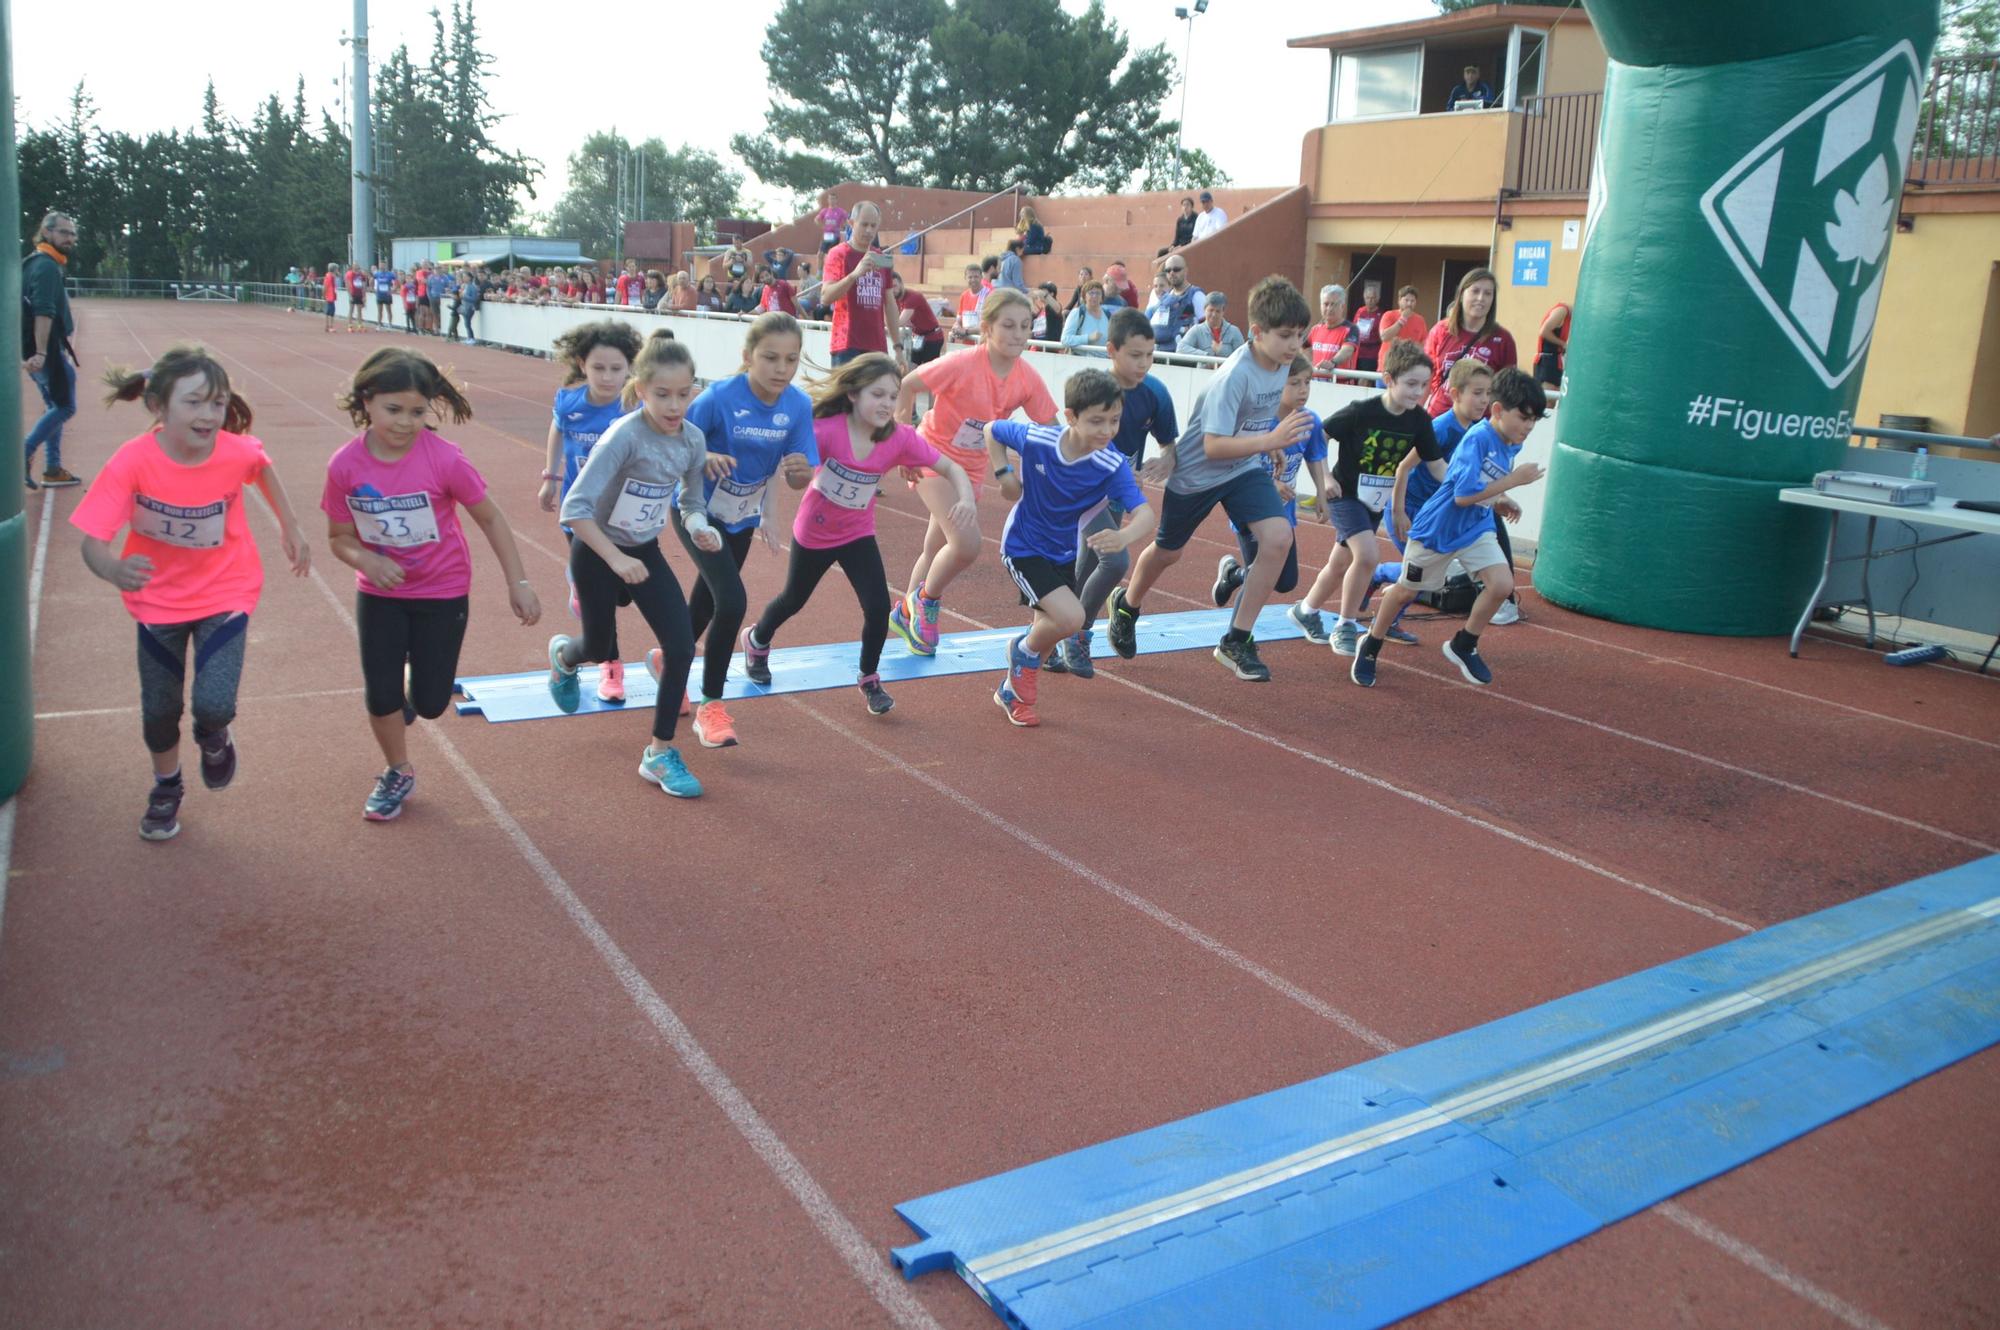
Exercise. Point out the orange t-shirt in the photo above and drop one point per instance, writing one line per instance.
(963, 387)
(189, 520)
(1411, 329)
(330, 286)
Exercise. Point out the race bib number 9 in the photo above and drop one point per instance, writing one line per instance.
(1376, 491)
(397, 521)
(170, 524)
(641, 511)
(846, 486)
(732, 503)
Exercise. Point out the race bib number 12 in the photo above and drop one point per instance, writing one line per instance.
(172, 524)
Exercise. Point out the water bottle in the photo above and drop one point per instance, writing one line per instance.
(1920, 464)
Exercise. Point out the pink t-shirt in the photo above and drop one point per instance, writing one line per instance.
(189, 520)
(831, 219)
(408, 511)
(839, 506)
(963, 387)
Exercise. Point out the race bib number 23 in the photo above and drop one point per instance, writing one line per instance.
(395, 521)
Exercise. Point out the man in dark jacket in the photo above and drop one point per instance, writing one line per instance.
(48, 356)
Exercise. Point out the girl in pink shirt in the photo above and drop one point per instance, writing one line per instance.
(189, 570)
(391, 501)
(859, 441)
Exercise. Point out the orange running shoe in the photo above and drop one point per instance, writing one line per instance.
(713, 727)
(611, 681)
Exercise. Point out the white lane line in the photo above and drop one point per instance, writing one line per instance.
(1769, 687)
(241, 702)
(1767, 1266)
(9, 810)
(1124, 895)
(1851, 805)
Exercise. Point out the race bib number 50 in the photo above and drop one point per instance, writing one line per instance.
(172, 524)
(641, 511)
(396, 521)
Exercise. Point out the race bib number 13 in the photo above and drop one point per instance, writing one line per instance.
(846, 486)
(171, 524)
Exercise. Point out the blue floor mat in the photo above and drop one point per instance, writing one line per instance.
(805, 669)
(1366, 1195)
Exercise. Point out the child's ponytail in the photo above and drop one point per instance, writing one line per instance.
(153, 386)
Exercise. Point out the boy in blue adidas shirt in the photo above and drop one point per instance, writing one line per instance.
(1457, 522)
(1310, 454)
(1066, 478)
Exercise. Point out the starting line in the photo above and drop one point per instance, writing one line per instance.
(1369, 1194)
(805, 669)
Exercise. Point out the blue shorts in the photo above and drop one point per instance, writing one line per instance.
(1247, 498)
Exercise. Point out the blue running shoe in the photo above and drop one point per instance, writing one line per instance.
(564, 687)
(666, 770)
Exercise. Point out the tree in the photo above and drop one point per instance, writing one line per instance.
(682, 185)
(1453, 6)
(1195, 170)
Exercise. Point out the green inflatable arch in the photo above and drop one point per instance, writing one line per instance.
(1750, 161)
(17, 707)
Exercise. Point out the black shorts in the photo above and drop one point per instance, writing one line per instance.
(1248, 497)
(927, 351)
(1038, 577)
(384, 302)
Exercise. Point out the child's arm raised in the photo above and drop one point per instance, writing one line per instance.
(1000, 468)
(1292, 429)
(552, 469)
(297, 552)
(527, 606)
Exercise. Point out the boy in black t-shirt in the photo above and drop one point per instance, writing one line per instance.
(1368, 439)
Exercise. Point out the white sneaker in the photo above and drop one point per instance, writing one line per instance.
(1508, 613)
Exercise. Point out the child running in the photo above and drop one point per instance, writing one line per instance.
(759, 419)
(1456, 523)
(1218, 461)
(1309, 453)
(859, 441)
(988, 382)
(1066, 479)
(599, 358)
(1471, 386)
(391, 502)
(1372, 435)
(620, 503)
(189, 571)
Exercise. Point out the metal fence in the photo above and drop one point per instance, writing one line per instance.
(1958, 132)
(153, 288)
(1559, 142)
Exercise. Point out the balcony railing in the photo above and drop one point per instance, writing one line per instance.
(1958, 131)
(1558, 142)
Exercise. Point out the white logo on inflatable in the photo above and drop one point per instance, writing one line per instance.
(1806, 215)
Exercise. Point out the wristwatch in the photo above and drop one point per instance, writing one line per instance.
(1000, 471)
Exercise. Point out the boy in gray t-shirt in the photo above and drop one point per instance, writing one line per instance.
(1218, 461)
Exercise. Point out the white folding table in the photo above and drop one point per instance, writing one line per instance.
(1961, 522)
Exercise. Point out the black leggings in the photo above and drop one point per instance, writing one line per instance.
(861, 560)
(425, 635)
(598, 590)
(719, 597)
(1288, 576)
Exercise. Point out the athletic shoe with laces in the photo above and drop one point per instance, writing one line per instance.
(1243, 660)
(1228, 576)
(926, 620)
(163, 811)
(1309, 623)
(1075, 653)
(1123, 625)
(877, 697)
(653, 666)
(666, 770)
(1016, 694)
(218, 758)
(903, 621)
(1471, 664)
(564, 687)
(611, 681)
(392, 791)
(1346, 638)
(1053, 662)
(1363, 669)
(56, 478)
(28, 477)
(756, 661)
(713, 727)
(1509, 612)
(1400, 636)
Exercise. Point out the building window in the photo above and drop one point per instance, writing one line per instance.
(1381, 82)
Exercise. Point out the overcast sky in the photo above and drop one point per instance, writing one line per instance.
(1248, 103)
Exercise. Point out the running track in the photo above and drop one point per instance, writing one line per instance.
(557, 1050)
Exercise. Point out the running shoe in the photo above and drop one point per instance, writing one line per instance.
(1228, 576)
(653, 666)
(218, 759)
(29, 478)
(163, 811)
(1123, 626)
(56, 478)
(713, 727)
(666, 770)
(611, 681)
(1075, 653)
(1309, 623)
(1346, 637)
(1400, 636)
(1016, 694)
(1243, 660)
(879, 701)
(392, 791)
(564, 687)
(1470, 663)
(1509, 612)
(926, 620)
(904, 624)
(1363, 669)
(756, 661)
(1053, 662)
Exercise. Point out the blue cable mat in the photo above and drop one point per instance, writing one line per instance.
(1366, 1195)
(805, 669)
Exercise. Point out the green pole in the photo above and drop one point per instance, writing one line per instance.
(17, 708)
(1751, 157)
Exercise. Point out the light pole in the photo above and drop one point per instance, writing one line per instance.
(1188, 14)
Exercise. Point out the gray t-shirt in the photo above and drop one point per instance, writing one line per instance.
(1241, 399)
(627, 483)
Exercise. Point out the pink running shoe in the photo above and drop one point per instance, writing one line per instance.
(611, 681)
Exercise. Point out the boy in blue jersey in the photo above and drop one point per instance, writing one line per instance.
(1309, 453)
(385, 295)
(1066, 479)
(1471, 387)
(1148, 411)
(1457, 522)
(1218, 460)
